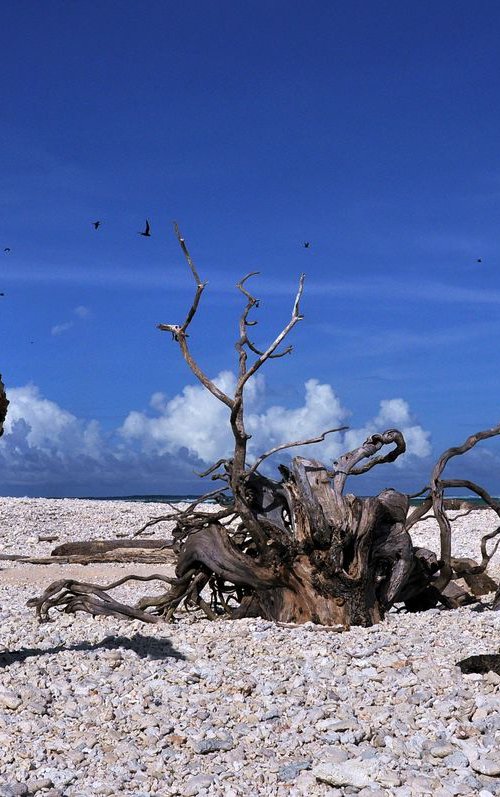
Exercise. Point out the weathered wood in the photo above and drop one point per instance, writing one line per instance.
(299, 549)
(482, 663)
(122, 556)
(83, 548)
(479, 583)
(4, 403)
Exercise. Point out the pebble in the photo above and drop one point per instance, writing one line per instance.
(196, 784)
(35, 785)
(212, 745)
(290, 771)
(348, 773)
(103, 706)
(487, 766)
(9, 699)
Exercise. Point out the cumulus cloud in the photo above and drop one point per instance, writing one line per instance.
(194, 419)
(198, 421)
(48, 450)
(49, 428)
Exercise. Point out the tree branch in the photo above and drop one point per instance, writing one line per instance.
(200, 286)
(295, 443)
(179, 332)
(296, 316)
(437, 492)
(345, 465)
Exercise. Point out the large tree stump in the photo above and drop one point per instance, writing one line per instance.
(298, 549)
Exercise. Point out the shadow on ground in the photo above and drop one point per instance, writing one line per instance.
(145, 647)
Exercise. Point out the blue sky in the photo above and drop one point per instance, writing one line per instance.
(369, 129)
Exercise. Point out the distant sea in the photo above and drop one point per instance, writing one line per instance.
(175, 499)
(145, 499)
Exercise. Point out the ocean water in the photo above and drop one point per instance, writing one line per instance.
(175, 499)
(145, 499)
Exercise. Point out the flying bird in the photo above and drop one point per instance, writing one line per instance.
(146, 232)
(479, 260)
(306, 244)
(96, 224)
(2, 294)
(7, 249)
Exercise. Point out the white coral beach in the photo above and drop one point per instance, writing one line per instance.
(100, 706)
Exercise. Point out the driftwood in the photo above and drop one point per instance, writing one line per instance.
(483, 663)
(90, 548)
(297, 549)
(120, 555)
(4, 403)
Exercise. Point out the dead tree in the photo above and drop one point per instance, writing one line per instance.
(295, 549)
(4, 403)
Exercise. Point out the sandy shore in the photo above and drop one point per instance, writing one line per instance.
(104, 706)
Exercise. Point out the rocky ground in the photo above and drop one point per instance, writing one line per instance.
(106, 707)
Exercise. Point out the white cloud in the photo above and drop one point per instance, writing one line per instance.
(58, 329)
(50, 428)
(48, 450)
(81, 311)
(196, 420)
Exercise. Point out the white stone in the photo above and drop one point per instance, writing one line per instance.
(348, 773)
(9, 699)
(486, 765)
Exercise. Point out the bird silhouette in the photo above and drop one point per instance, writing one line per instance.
(479, 260)
(306, 244)
(7, 249)
(96, 224)
(146, 232)
(2, 294)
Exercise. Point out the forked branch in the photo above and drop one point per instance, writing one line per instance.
(259, 362)
(179, 331)
(438, 487)
(346, 465)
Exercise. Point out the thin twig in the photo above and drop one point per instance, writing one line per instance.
(296, 316)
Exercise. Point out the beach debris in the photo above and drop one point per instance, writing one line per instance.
(296, 550)
(91, 547)
(147, 230)
(121, 555)
(482, 663)
(4, 403)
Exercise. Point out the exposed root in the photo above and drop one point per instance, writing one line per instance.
(70, 596)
